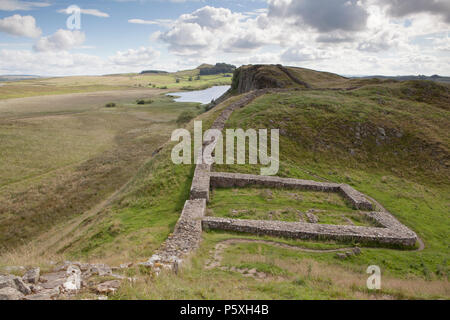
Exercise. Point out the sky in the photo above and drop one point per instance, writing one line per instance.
(348, 37)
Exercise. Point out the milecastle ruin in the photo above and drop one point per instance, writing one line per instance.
(188, 231)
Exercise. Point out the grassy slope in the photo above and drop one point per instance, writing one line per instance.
(55, 167)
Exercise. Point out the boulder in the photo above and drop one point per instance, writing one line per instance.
(312, 218)
(53, 280)
(357, 251)
(349, 253)
(101, 269)
(108, 287)
(32, 275)
(14, 282)
(341, 256)
(126, 265)
(8, 293)
(73, 281)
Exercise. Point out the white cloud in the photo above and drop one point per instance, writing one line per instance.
(300, 54)
(135, 57)
(49, 63)
(60, 63)
(18, 25)
(141, 21)
(13, 5)
(209, 30)
(161, 22)
(92, 12)
(61, 40)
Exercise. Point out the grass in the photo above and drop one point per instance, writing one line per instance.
(288, 275)
(283, 205)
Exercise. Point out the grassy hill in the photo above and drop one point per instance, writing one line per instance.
(387, 139)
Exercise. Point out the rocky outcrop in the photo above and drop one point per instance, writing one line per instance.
(255, 77)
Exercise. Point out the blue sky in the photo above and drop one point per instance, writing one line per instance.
(343, 36)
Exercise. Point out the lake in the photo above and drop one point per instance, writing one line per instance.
(201, 96)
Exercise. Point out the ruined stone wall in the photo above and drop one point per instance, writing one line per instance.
(314, 231)
(229, 180)
(185, 238)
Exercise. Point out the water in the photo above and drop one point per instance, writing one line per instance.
(201, 96)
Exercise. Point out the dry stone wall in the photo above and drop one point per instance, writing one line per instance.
(315, 231)
(185, 238)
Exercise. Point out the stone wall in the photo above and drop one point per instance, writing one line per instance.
(314, 231)
(185, 238)
(229, 180)
(391, 231)
(357, 199)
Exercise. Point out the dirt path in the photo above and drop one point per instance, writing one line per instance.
(222, 245)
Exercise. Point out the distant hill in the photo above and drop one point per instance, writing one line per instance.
(153, 71)
(205, 66)
(407, 78)
(219, 68)
(4, 78)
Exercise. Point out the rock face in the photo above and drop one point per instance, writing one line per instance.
(256, 77)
